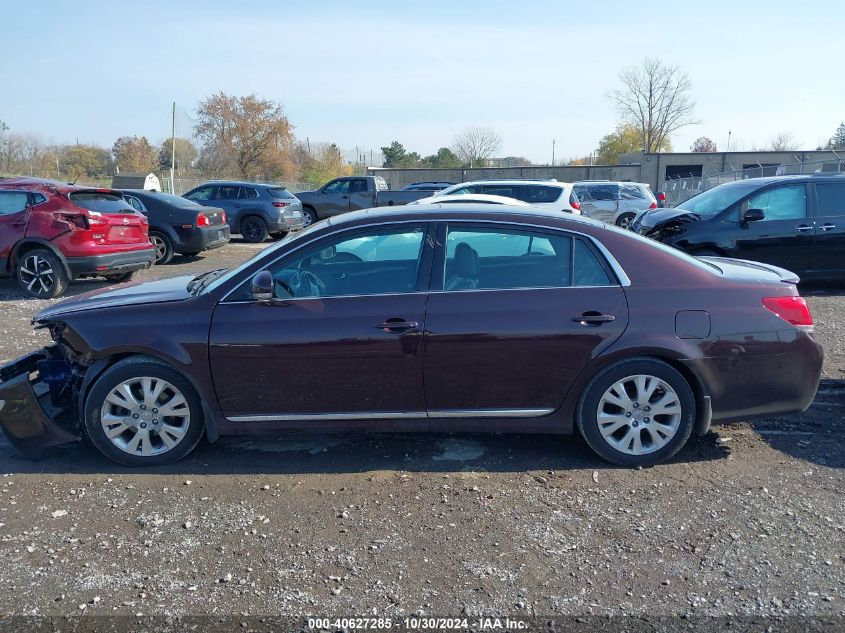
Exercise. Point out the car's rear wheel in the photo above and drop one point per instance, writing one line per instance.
(625, 220)
(254, 230)
(141, 412)
(309, 216)
(163, 247)
(637, 412)
(121, 278)
(41, 274)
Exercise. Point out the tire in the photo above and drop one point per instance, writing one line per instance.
(139, 445)
(309, 216)
(163, 246)
(254, 229)
(41, 274)
(625, 220)
(629, 436)
(119, 279)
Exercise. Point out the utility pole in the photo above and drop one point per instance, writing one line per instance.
(729, 141)
(173, 151)
(553, 152)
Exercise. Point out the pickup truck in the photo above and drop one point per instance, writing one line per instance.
(350, 194)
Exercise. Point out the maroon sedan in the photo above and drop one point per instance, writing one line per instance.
(464, 318)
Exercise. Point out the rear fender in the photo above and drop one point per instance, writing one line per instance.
(30, 243)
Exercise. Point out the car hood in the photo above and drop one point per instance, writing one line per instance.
(653, 219)
(159, 291)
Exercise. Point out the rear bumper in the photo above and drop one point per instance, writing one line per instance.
(285, 225)
(111, 263)
(204, 239)
(23, 418)
(748, 385)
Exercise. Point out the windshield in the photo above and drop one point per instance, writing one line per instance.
(287, 239)
(710, 203)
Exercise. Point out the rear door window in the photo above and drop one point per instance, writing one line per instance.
(830, 197)
(246, 193)
(542, 193)
(631, 192)
(101, 202)
(780, 203)
(228, 192)
(604, 192)
(358, 186)
(13, 202)
(508, 191)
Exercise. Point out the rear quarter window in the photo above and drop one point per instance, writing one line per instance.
(100, 202)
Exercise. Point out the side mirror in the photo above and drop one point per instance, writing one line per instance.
(753, 215)
(261, 286)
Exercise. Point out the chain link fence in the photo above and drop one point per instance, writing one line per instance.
(680, 189)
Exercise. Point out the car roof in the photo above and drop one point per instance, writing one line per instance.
(611, 182)
(240, 183)
(765, 180)
(432, 212)
(516, 181)
(29, 182)
(469, 197)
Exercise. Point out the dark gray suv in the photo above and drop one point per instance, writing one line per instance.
(254, 210)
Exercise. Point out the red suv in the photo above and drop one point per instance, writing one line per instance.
(51, 233)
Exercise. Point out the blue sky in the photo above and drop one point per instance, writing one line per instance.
(367, 73)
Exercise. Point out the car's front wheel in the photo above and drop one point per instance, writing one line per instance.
(41, 274)
(637, 412)
(141, 412)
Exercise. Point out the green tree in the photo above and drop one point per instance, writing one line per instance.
(444, 158)
(627, 138)
(837, 141)
(135, 154)
(324, 163)
(394, 154)
(186, 154)
(84, 160)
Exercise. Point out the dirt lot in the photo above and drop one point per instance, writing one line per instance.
(747, 521)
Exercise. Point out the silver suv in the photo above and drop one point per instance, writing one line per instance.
(614, 202)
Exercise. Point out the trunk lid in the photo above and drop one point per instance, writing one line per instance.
(742, 269)
(214, 215)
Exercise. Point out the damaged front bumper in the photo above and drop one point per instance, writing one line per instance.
(36, 402)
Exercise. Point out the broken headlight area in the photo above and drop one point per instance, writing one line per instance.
(38, 398)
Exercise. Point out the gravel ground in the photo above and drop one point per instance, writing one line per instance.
(746, 523)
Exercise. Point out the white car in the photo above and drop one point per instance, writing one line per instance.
(480, 198)
(546, 194)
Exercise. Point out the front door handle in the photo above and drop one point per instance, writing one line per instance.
(828, 226)
(593, 318)
(397, 325)
(801, 228)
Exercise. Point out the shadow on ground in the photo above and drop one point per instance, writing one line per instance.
(818, 434)
(296, 453)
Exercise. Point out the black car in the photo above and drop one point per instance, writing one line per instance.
(178, 225)
(254, 210)
(795, 222)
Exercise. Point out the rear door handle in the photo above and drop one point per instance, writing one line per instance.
(827, 226)
(397, 325)
(593, 318)
(801, 228)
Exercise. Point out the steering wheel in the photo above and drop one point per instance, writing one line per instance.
(313, 283)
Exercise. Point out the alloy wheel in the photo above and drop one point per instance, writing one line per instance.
(145, 416)
(160, 247)
(251, 230)
(626, 221)
(307, 220)
(639, 414)
(37, 274)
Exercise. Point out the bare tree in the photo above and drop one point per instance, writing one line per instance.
(704, 144)
(655, 98)
(31, 148)
(475, 144)
(783, 142)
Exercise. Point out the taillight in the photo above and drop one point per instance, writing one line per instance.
(661, 195)
(653, 205)
(281, 205)
(202, 220)
(223, 217)
(575, 205)
(793, 310)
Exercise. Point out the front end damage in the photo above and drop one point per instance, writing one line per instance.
(38, 401)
